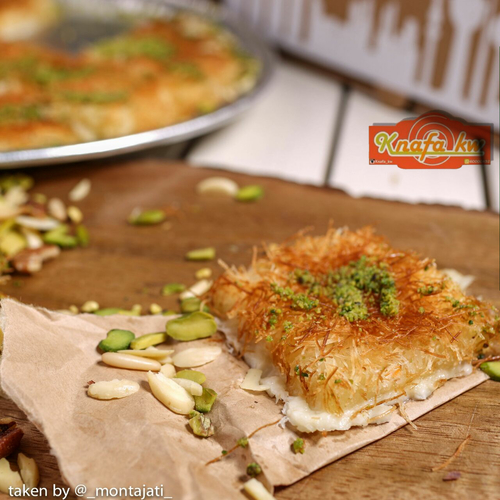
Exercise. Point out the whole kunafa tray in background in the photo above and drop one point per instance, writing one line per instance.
(93, 79)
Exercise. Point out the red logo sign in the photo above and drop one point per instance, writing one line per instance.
(433, 140)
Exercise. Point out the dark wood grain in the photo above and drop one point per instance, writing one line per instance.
(126, 265)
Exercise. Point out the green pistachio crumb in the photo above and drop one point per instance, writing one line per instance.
(173, 288)
(250, 193)
(243, 442)
(254, 469)
(426, 290)
(298, 446)
(201, 254)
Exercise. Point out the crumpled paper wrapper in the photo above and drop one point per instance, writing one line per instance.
(48, 359)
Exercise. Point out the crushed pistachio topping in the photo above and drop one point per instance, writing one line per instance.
(128, 47)
(94, 97)
(299, 300)
(351, 288)
(19, 112)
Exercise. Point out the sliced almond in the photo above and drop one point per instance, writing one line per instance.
(112, 389)
(42, 224)
(80, 191)
(151, 353)
(251, 382)
(90, 306)
(203, 273)
(168, 370)
(171, 394)
(218, 185)
(16, 196)
(7, 210)
(197, 289)
(191, 386)
(57, 209)
(8, 477)
(196, 356)
(129, 362)
(75, 214)
(28, 470)
(33, 238)
(256, 490)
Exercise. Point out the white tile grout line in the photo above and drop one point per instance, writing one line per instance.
(339, 119)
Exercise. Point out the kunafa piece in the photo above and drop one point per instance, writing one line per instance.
(344, 326)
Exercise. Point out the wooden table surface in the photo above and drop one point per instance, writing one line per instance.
(125, 265)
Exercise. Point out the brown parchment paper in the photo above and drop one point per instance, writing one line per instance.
(49, 357)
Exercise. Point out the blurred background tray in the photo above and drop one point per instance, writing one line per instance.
(84, 22)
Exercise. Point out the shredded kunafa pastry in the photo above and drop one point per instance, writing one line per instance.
(345, 327)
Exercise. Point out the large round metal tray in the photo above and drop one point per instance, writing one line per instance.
(84, 21)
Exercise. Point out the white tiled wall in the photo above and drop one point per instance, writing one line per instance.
(288, 134)
(290, 131)
(352, 171)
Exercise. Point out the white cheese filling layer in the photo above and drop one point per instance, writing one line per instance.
(305, 419)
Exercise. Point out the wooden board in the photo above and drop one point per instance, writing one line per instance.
(126, 265)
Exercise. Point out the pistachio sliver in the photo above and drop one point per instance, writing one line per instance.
(250, 193)
(116, 340)
(82, 235)
(12, 243)
(492, 369)
(190, 305)
(201, 254)
(205, 402)
(146, 217)
(193, 375)
(172, 288)
(148, 340)
(201, 425)
(60, 237)
(197, 325)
